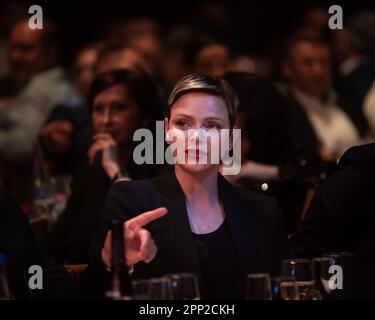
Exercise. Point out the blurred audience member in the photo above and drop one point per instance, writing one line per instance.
(212, 59)
(84, 67)
(355, 52)
(341, 218)
(322, 130)
(185, 50)
(33, 58)
(122, 57)
(42, 85)
(120, 101)
(316, 20)
(142, 34)
(179, 47)
(267, 163)
(57, 133)
(67, 135)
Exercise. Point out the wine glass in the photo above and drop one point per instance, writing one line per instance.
(140, 289)
(301, 270)
(258, 286)
(184, 286)
(342, 259)
(160, 289)
(284, 288)
(321, 273)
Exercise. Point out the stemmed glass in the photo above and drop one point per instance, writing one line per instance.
(284, 288)
(301, 270)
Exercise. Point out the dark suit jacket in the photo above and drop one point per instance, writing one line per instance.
(342, 218)
(254, 221)
(305, 145)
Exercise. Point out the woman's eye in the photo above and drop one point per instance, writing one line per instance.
(182, 123)
(213, 125)
(98, 108)
(119, 106)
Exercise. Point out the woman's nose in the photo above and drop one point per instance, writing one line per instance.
(198, 135)
(106, 116)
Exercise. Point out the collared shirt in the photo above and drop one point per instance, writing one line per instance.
(333, 127)
(350, 65)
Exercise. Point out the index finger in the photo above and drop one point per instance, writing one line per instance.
(147, 217)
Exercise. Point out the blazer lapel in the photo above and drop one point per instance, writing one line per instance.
(182, 240)
(242, 224)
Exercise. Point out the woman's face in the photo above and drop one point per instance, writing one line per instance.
(191, 112)
(115, 112)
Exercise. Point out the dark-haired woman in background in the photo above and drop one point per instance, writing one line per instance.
(120, 102)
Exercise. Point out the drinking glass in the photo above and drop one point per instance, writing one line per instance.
(284, 288)
(184, 286)
(160, 289)
(258, 287)
(301, 270)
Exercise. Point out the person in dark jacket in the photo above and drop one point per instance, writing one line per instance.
(212, 229)
(342, 218)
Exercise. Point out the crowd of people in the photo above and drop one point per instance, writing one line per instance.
(298, 117)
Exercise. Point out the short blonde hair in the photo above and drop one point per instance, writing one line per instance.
(202, 83)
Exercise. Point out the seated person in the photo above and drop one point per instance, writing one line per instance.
(120, 102)
(42, 85)
(342, 218)
(321, 130)
(212, 229)
(267, 163)
(66, 136)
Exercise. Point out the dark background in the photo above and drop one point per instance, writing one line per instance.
(251, 26)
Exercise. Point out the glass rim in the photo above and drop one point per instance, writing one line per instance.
(323, 259)
(257, 275)
(284, 279)
(338, 254)
(297, 260)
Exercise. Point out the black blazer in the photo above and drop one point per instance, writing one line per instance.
(254, 222)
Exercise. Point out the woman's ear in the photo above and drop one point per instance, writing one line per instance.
(166, 128)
